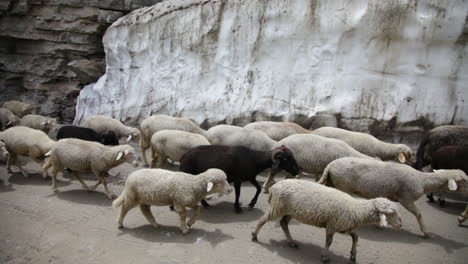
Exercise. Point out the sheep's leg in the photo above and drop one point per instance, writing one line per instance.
(146, 211)
(269, 181)
(261, 222)
(462, 218)
(123, 212)
(430, 197)
(196, 214)
(284, 225)
(143, 153)
(237, 187)
(161, 161)
(54, 179)
(410, 206)
(80, 180)
(14, 158)
(354, 246)
(10, 159)
(205, 203)
(328, 242)
(45, 167)
(106, 190)
(257, 193)
(183, 216)
(96, 185)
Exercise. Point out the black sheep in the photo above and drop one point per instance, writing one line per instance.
(239, 163)
(108, 138)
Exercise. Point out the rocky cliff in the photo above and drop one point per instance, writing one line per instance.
(49, 49)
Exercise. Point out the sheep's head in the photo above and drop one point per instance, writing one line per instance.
(127, 154)
(217, 182)
(456, 179)
(3, 151)
(134, 135)
(27, 109)
(388, 213)
(282, 158)
(405, 155)
(48, 125)
(109, 138)
(13, 122)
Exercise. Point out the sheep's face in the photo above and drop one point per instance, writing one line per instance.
(456, 179)
(218, 183)
(3, 151)
(27, 109)
(49, 125)
(128, 155)
(109, 138)
(388, 213)
(405, 156)
(283, 158)
(134, 135)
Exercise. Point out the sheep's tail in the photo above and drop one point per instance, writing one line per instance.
(120, 200)
(145, 138)
(421, 153)
(325, 174)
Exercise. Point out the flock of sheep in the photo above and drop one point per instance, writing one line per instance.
(344, 162)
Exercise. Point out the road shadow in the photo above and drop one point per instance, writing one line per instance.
(172, 234)
(451, 207)
(34, 179)
(6, 186)
(306, 253)
(84, 197)
(223, 212)
(404, 236)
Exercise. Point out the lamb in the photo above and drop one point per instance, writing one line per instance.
(369, 145)
(156, 123)
(102, 124)
(320, 206)
(18, 108)
(397, 182)
(45, 124)
(7, 119)
(84, 156)
(108, 138)
(239, 163)
(160, 187)
(437, 138)
(313, 153)
(173, 144)
(238, 136)
(25, 141)
(277, 130)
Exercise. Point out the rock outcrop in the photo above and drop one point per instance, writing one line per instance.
(373, 65)
(39, 38)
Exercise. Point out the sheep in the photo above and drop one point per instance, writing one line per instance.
(437, 138)
(313, 153)
(108, 138)
(18, 108)
(173, 144)
(278, 130)
(84, 156)
(160, 187)
(462, 218)
(7, 119)
(25, 141)
(238, 136)
(320, 206)
(102, 124)
(45, 124)
(156, 123)
(4, 154)
(369, 145)
(397, 182)
(239, 163)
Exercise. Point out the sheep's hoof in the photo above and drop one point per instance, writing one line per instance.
(293, 245)
(155, 225)
(352, 259)
(111, 196)
(55, 190)
(324, 259)
(266, 191)
(441, 203)
(426, 236)
(254, 237)
(238, 210)
(171, 208)
(120, 226)
(251, 207)
(185, 231)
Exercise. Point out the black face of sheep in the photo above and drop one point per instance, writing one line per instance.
(109, 138)
(283, 159)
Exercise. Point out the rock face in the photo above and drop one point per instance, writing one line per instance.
(38, 38)
(367, 65)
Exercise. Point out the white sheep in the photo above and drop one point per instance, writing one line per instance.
(4, 154)
(156, 123)
(85, 156)
(102, 124)
(313, 153)
(368, 144)
(43, 123)
(397, 182)
(25, 141)
(7, 119)
(238, 136)
(173, 144)
(18, 108)
(158, 187)
(278, 130)
(320, 206)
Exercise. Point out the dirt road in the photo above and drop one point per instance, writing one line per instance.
(75, 226)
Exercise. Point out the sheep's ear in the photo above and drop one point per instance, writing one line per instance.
(43, 123)
(129, 137)
(209, 186)
(452, 185)
(401, 157)
(119, 156)
(9, 123)
(126, 152)
(383, 220)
